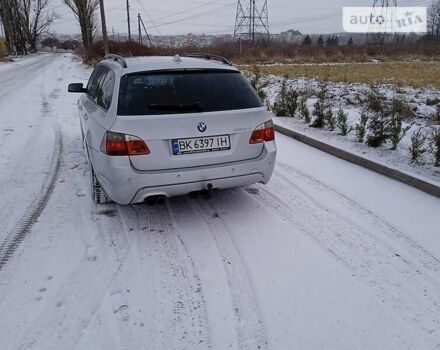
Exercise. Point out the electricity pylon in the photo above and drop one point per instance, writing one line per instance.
(251, 24)
(382, 8)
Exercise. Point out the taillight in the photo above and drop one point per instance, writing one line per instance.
(263, 133)
(117, 144)
(135, 146)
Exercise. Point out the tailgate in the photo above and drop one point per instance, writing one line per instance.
(162, 132)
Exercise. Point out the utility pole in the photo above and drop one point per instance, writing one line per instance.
(2, 31)
(128, 20)
(141, 23)
(104, 27)
(139, 29)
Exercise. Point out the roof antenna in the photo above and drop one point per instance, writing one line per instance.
(177, 58)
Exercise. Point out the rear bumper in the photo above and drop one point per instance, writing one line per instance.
(126, 185)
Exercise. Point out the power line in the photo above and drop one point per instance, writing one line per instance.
(333, 14)
(187, 10)
(201, 14)
(150, 19)
(192, 13)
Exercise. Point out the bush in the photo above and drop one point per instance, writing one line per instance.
(417, 147)
(436, 116)
(395, 131)
(361, 127)
(3, 48)
(401, 108)
(377, 127)
(330, 119)
(434, 144)
(320, 106)
(342, 123)
(286, 102)
(96, 52)
(258, 83)
(432, 102)
(304, 109)
(319, 113)
(376, 101)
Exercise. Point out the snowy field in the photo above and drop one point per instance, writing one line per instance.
(328, 256)
(423, 103)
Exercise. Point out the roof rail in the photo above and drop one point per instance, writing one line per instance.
(121, 60)
(208, 56)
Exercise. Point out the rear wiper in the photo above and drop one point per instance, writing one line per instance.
(196, 107)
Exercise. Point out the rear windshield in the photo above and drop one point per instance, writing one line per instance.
(185, 92)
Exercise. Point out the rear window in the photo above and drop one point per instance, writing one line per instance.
(185, 92)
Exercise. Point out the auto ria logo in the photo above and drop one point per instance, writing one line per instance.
(385, 19)
(202, 127)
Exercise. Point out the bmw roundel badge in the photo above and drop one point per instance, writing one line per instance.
(202, 127)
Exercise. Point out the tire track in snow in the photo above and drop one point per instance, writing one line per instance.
(74, 304)
(183, 323)
(62, 322)
(121, 244)
(251, 332)
(14, 238)
(81, 295)
(427, 259)
(402, 281)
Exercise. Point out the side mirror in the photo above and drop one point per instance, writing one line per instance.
(76, 87)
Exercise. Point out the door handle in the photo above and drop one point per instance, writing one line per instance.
(86, 116)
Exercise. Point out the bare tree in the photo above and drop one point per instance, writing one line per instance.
(434, 20)
(13, 23)
(84, 11)
(35, 20)
(24, 21)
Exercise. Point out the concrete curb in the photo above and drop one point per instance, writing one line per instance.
(394, 174)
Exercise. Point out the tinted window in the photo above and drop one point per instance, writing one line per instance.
(185, 92)
(105, 90)
(92, 86)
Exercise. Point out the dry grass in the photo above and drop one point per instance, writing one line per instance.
(357, 68)
(418, 75)
(279, 52)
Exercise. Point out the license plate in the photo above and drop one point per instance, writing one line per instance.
(201, 144)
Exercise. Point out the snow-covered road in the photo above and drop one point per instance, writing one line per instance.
(328, 256)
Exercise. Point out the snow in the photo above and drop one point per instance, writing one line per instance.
(18, 62)
(345, 96)
(327, 256)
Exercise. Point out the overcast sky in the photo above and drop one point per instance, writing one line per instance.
(214, 17)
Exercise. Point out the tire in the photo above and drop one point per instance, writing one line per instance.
(98, 194)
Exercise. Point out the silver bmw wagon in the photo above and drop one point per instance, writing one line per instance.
(157, 127)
